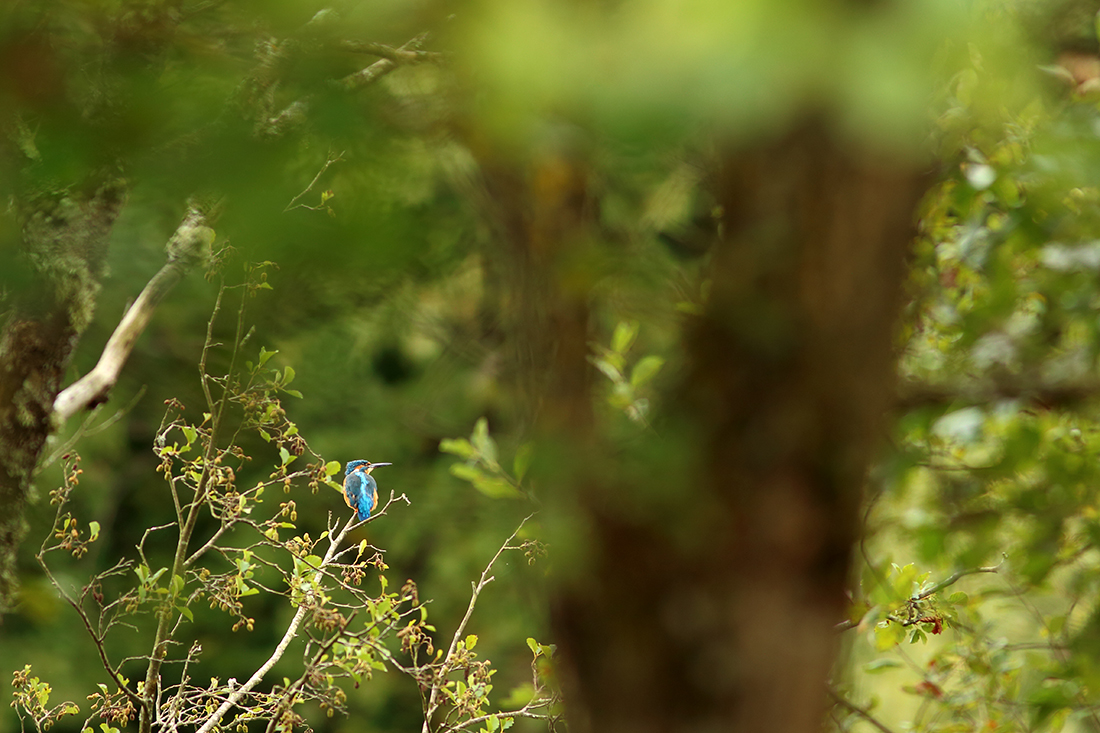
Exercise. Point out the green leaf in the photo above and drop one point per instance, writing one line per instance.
(645, 370)
(522, 461)
(288, 375)
(186, 613)
(496, 488)
(265, 355)
(482, 442)
(887, 636)
(457, 446)
(471, 641)
(93, 531)
(284, 454)
(293, 393)
(533, 646)
(467, 472)
(624, 336)
(608, 369)
(332, 468)
(189, 433)
(880, 665)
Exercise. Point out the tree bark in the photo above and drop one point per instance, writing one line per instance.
(715, 610)
(65, 237)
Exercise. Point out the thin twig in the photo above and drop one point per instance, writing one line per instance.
(403, 54)
(852, 707)
(433, 699)
(294, 201)
(955, 577)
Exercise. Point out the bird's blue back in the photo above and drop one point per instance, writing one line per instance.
(360, 490)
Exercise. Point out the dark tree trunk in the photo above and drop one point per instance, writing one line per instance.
(65, 238)
(716, 611)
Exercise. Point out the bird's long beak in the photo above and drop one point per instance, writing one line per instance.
(373, 466)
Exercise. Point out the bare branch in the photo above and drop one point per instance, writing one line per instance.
(186, 248)
(403, 54)
(294, 201)
(433, 700)
(852, 707)
(955, 577)
(295, 114)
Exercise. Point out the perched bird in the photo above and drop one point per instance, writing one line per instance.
(360, 488)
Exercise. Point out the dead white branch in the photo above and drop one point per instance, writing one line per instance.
(187, 247)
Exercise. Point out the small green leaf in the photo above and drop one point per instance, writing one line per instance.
(608, 369)
(284, 454)
(177, 584)
(467, 472)
(533, 646)
(288, 375)
(186, 613)
(471, 641)
(332, 468)
(485, 445)
(496, 488)
(457, 446)
(265, 435)
(624, 336)
(265, 355)
(189, 433)
(645, 370)
(93, 531)
(880, 665)
(522, 461)
(293, 393)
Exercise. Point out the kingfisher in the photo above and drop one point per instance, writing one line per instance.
(360, 488)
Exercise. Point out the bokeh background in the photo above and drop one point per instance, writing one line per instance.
(395, 303)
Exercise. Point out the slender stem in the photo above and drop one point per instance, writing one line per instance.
(852, 707)
(954, 578)
(152, 677)
(96, 638)
(434, 700)
(525, 712)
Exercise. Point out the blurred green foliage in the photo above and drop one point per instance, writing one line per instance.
(385, 307)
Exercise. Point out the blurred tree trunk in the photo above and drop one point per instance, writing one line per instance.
(64, 238)
(719, 614)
